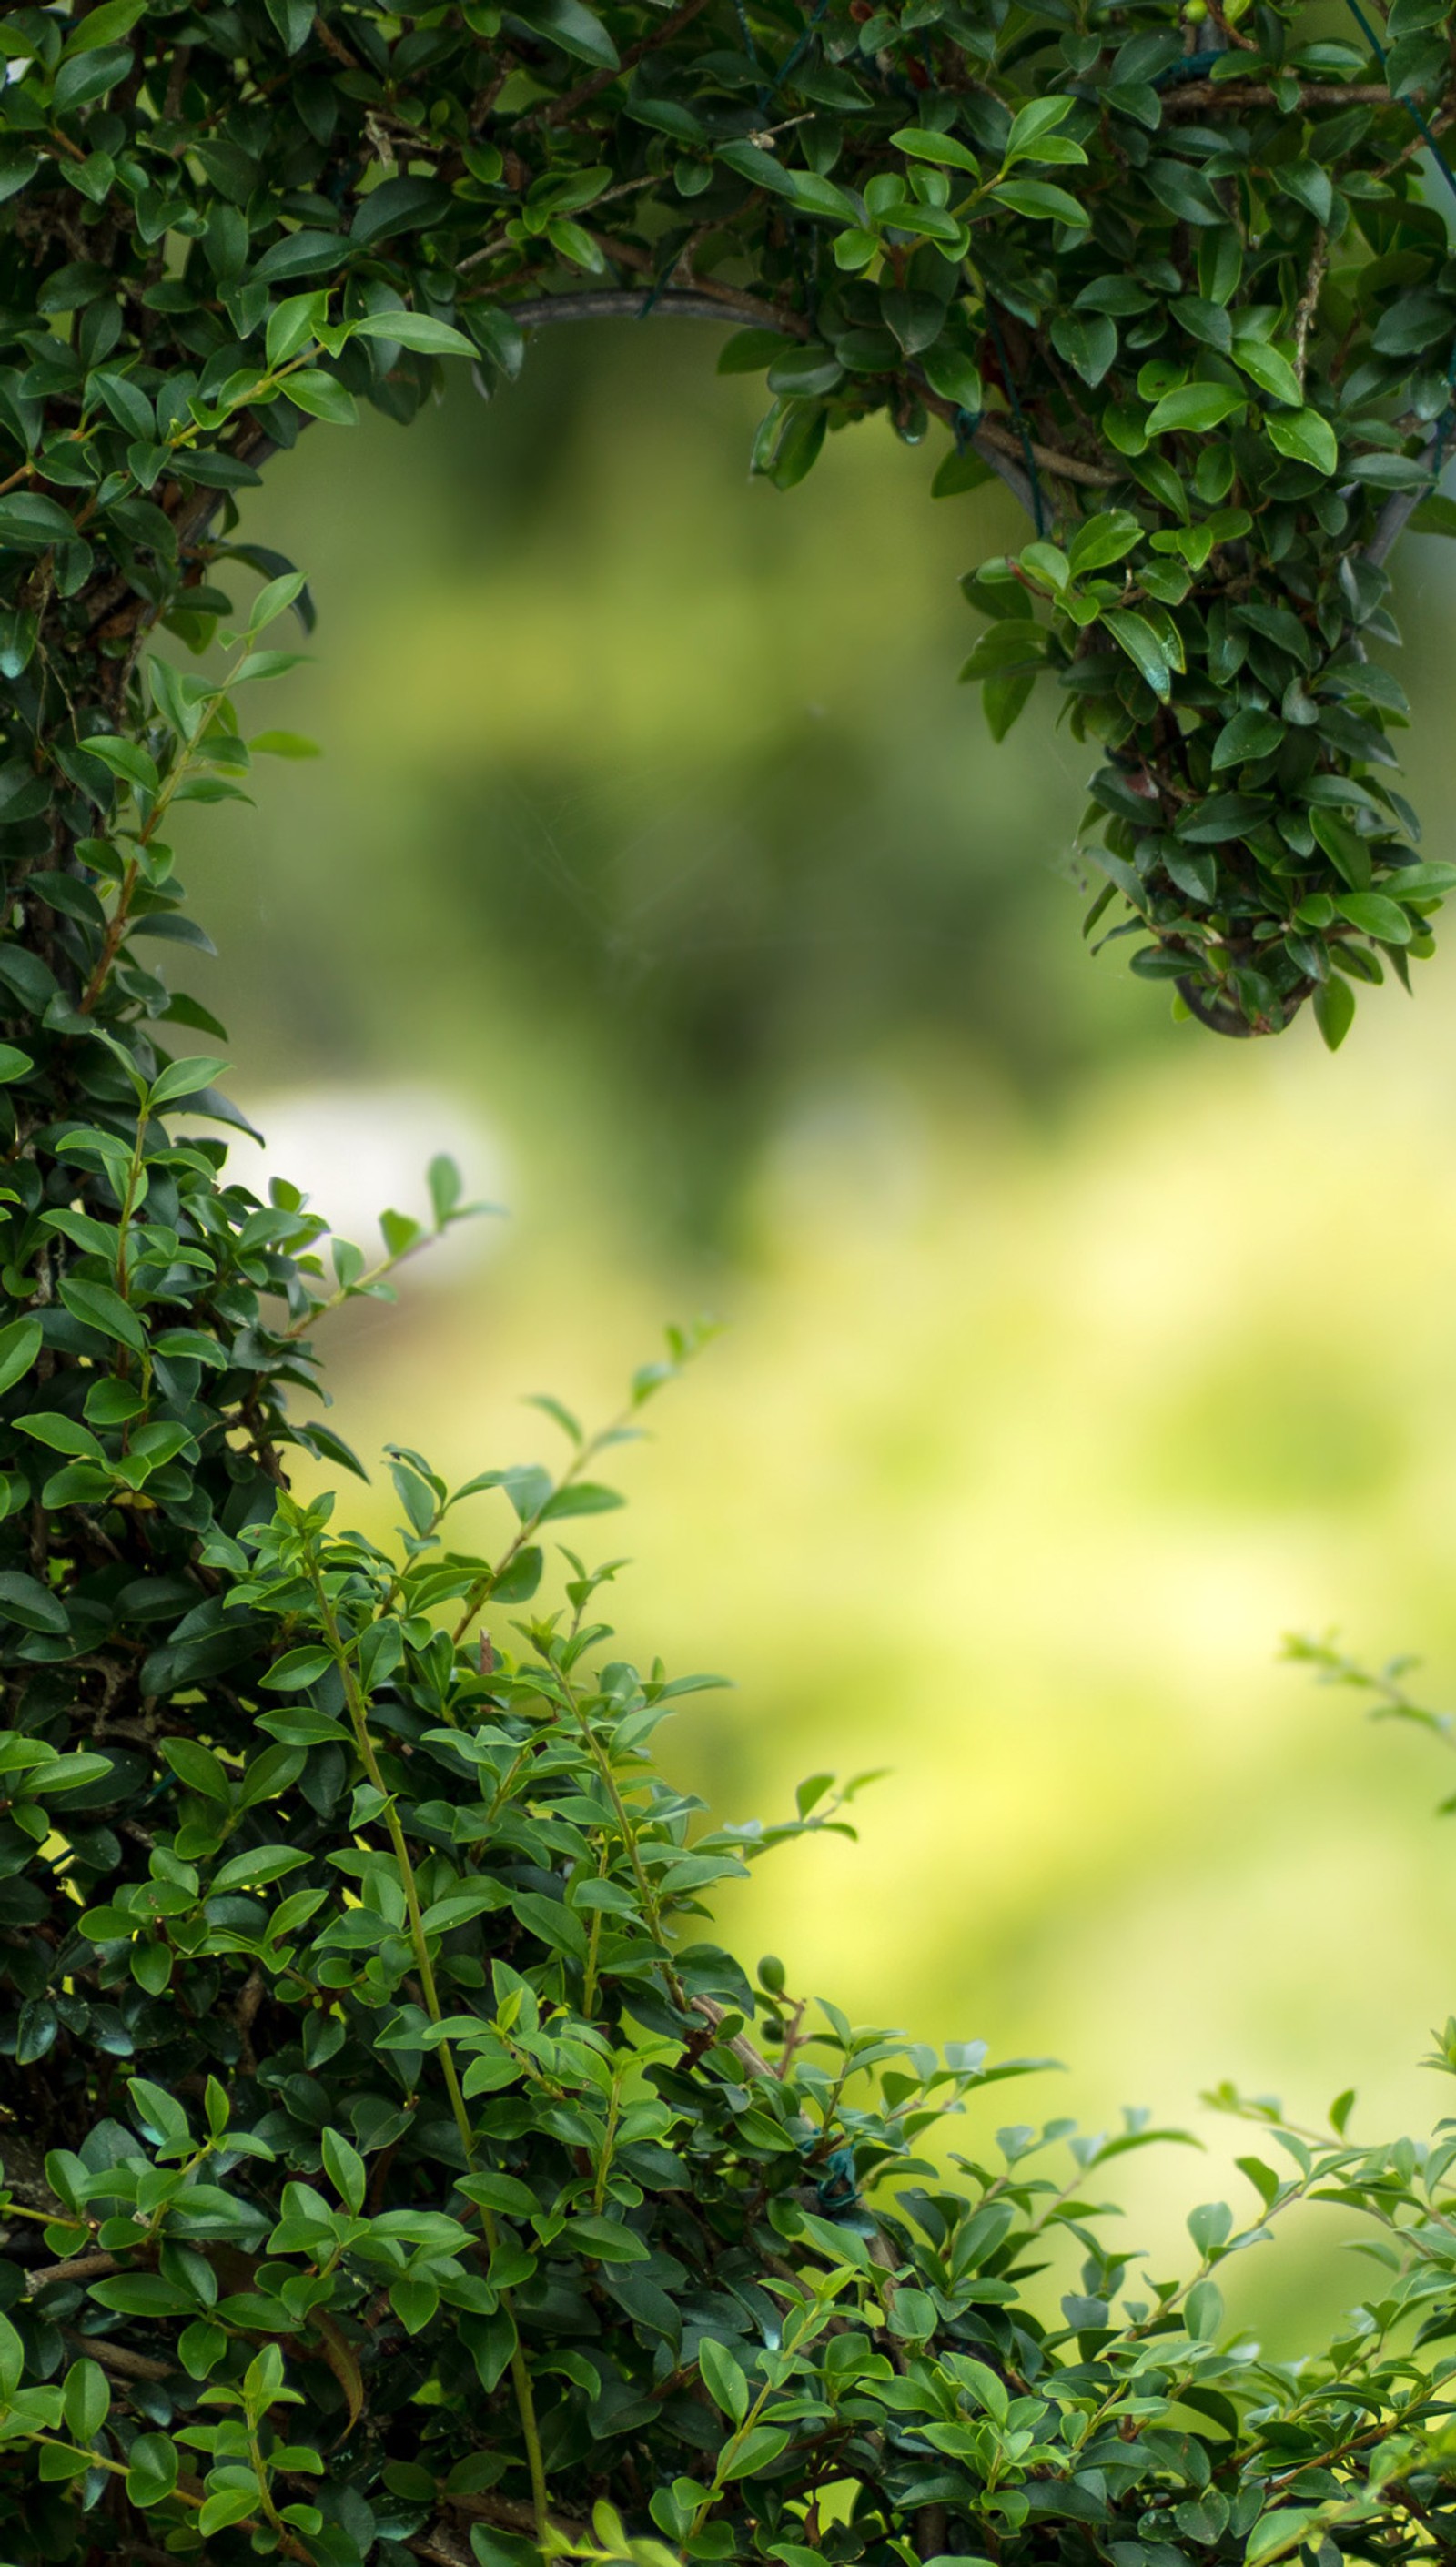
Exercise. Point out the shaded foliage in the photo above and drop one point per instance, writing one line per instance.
(392, 2163)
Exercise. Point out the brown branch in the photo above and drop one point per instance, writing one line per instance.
(119, 2358)
(698, 302)
(78, 2268)
(741, 2047)
(1094, 477)
(440, 2548)
(704, 301)
(1205, 94)
(1308, 304)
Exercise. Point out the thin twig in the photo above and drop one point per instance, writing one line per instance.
(1308, 303)
(1206, 93)
(77, 2268)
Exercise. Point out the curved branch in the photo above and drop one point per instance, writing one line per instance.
(633, 303)
(700, 303)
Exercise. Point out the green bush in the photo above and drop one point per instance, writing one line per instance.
(393, 2168)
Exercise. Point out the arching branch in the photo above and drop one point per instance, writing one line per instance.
(694, 302)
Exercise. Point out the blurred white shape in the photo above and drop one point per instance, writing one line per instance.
(356, 1152)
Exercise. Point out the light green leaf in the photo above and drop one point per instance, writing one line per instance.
(944, 150)
(420, 330)
(1041, 201)
(1194, 408)
(1375, 916)
(322, 395)
(1334, 1010)
(1137, 638)
(1305, 436)
(1269, 370)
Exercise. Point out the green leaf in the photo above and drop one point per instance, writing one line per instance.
(32, 524)
(1375, 916)
(806, 369)
(1334, 1009)
(946, 151)
(1274, 2535)
(1137, 638)
(757, 2450)
(184, 1078)
(1247, 736)
(32, 1605)
(124, 758)
(292, 323)
(1305, 436)
(953, 375)
(816, 195)
(23, 1600)
(88, 2400)
(1103, 539)
(197, 1768)
(233, 2504)
(581, 1497)
(958, 471)
(1089, 342)
(61, 1433)
(344, 2169)
(576, 30)
(724, 2379)
(97, 1307)
(1412, 882)
(262, 1863)
(322, 395)
(1194, 408)
(1269, 370)
(293, 20)
(1004, 696)
(420, 330)
(20, 1343)
(516, 1584)
(1204, 2310)
(748, 352)
(107, 25)
(762, 170)
(1032, 123)
(1040, 203)
(297, 1670)
(1010, 643)
(151, 2470)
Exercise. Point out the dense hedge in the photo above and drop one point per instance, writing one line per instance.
(393, 2166)
(1173, 276)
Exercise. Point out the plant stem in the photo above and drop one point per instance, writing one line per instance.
(359, 1717)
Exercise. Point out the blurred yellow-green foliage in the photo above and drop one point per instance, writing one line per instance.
(656, 863)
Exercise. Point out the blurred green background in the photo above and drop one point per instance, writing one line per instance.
(656, 864)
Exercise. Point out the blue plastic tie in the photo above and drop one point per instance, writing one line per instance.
(751, 50)
(797, 52)
(1192, 67)
(660, 287)
(837, 2190)
(1038, 509)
